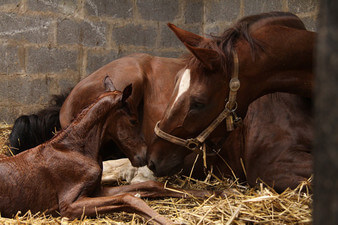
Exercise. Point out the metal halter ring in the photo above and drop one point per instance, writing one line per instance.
(193, 144)
(233, 109)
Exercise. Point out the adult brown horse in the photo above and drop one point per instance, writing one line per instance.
(267, 52)
(64, 174)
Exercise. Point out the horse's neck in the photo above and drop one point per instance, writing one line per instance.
(286, 65)
(291, 59)
(86, 132)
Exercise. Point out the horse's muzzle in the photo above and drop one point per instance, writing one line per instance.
(140, 158)
(161, 169)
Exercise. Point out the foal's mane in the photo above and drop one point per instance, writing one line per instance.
(225, 43)
(62, 134)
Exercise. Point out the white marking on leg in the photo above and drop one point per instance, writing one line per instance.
(121, 169)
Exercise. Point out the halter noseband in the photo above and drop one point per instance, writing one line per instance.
(195, 144)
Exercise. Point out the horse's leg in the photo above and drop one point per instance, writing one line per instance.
(278, 140)
(100, 205)
(282, 169)
(153, 189)
(289, 170)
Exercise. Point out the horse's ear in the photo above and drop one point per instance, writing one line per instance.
(108, 84)
(186, 36)
(208, 57)
(127, 92)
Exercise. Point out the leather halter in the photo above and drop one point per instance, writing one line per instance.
(195, 144)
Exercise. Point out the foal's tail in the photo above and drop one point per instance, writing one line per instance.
(31, 130)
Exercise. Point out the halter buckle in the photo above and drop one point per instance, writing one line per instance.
(238, 121)
(193, 144)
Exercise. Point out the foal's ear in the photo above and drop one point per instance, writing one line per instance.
(186, 36)
(108, 84)
(208, 57)
(126, 93)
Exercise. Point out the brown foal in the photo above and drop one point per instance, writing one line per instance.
(64, 174)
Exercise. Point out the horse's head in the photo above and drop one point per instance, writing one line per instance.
(199, 109)
(208, 98)
(122, 127)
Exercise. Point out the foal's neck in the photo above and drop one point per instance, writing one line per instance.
(85, 134)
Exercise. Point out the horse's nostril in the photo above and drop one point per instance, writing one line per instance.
(151, 166)
(141, 160)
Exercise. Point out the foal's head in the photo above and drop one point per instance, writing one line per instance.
(110, 118)
(123, 128)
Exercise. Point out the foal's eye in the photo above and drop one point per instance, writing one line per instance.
(133, 122)
(196, 105)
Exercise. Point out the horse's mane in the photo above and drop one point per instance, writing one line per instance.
(225, 43)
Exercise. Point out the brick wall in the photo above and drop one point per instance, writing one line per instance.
(47, 46)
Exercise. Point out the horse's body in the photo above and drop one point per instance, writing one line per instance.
(64, 174)
(274, 55)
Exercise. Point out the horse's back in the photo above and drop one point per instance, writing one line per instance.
(122, 72)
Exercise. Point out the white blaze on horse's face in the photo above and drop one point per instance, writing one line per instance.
(184, 85)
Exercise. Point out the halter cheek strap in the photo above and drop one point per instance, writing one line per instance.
(195, 144)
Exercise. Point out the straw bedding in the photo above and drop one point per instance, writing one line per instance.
(240, 204)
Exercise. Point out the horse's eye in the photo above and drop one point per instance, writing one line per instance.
(196, 105)
(133, 122)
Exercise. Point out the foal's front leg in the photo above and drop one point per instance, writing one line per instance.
(154, 189)
(100, 205)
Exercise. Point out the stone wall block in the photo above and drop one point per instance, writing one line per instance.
(24, 28)
(193, 12)
(302, 6)
(51, 60)
(24, 90)
(110, 8)
(96, 60)
(9, 2)
(67, 7)
(258, 6)
(11, 60)
(221, 10)
(158, 10)
(131, 34)
(86, 33)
